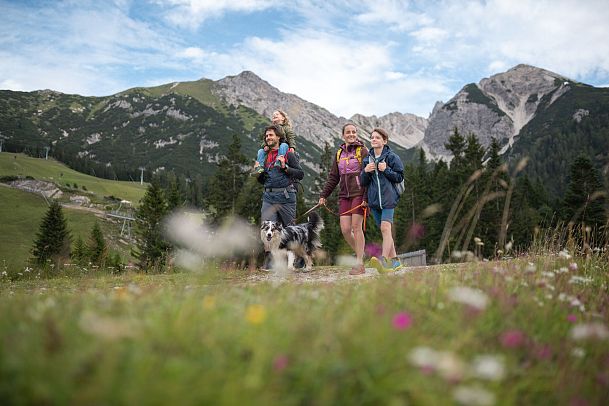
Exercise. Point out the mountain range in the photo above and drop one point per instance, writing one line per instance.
(187, 126)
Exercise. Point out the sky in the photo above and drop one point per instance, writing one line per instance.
(371, 57)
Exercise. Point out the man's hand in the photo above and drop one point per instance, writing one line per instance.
(370, 167)
(281, 159)
(322, 201)
(382, 166)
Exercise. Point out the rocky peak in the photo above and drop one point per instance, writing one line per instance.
(310, 121)
(519, 91)
(497, 107)
(406, 130)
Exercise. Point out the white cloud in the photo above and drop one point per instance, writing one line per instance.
(192, 13)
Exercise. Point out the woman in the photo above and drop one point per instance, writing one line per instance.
(351, 196)
(383, 170)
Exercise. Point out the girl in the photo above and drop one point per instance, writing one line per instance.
(383, 169)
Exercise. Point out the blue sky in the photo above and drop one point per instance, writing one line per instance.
(368, 57)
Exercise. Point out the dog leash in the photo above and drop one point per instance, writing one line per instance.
(365, 208)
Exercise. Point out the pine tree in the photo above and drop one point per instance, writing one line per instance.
(228, 180)
(53, 238)
(151, 248)
(331, 237)
(584, 200)
(79, 252)
(97, 248)
(249, 201)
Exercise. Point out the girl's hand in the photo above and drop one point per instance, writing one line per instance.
(382, 166)
(370, 167)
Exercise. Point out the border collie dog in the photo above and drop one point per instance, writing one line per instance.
(301, 239)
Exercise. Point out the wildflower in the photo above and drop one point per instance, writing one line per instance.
(423, 357)
(106, 327)
(402, 321)
(468, 296)
(473, 395)
(578, 352)
(512, 338)
(450, 367)
(572, 318)
(548, 274)
(590, 330)
(573, 267)
(530, 268)
(542, 352)
(255, 314)
(488, 367)
(280, 363)
(563, 269)
(564, 254)
(209, 302)
(575, 279)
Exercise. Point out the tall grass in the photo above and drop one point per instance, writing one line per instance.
(527, 331)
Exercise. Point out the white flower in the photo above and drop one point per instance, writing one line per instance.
(473, 395)
(488, 367)
(580, 279)
(589, 330)
(530, 268)
(578, 352)
(423, 357)
(548, 274)
(564, 254)
(468, 296)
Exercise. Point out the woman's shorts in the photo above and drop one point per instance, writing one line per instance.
(382, 215)
(344, 205)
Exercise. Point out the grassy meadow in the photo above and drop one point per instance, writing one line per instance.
(525, 331)
(53, 171)
(21, 214)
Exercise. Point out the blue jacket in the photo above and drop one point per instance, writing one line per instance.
(382, 193)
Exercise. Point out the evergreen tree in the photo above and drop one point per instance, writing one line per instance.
(584, 200)
(331, 237)
(249, 201)
(79, 252)
(151, 248)
(228, 180)
(97, 248)
(53, 238)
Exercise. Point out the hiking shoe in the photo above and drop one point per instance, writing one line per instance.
(380, 265)
(396, 264)
(357, 270)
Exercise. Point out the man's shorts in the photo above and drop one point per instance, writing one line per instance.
(382, 215)
(344, 205)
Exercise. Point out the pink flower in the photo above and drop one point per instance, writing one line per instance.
(512, 338)
(573, 267)
(280, 363)
(572, 318)
(373, 249)
(416, 231)
(402, 321)
(542, 352)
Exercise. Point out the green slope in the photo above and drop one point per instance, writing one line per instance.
(53, 171)
(20, 216)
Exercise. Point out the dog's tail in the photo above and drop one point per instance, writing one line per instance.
(315, 225)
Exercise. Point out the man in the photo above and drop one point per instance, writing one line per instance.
(279, 197)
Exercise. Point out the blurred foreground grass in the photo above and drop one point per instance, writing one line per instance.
(528, 331)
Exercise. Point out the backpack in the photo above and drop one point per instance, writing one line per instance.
(400, 187)
(358, 154)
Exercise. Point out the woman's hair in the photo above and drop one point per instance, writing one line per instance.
(382, 132)
(286, 119)
(347, 125)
